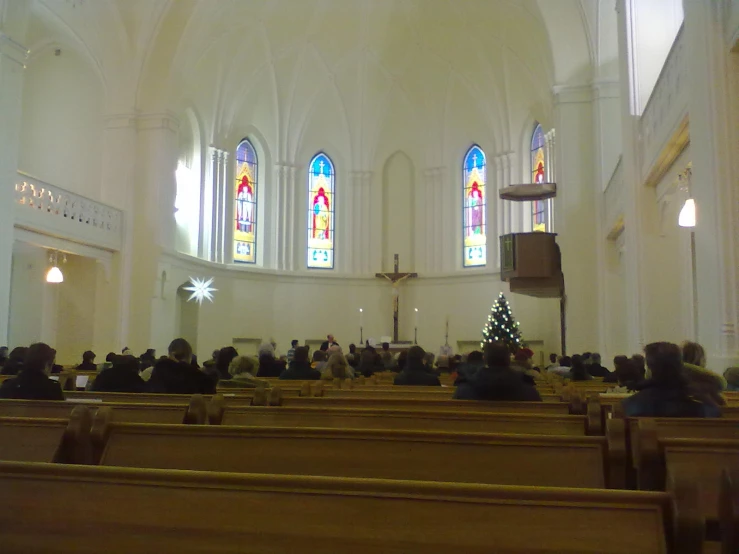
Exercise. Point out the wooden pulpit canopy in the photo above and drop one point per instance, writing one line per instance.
(529, 192)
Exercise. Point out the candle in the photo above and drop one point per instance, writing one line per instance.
(416, 325)
(361, 317)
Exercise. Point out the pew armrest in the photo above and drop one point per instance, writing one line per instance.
(100, 432)
(729, 511)
(196, 413)
(76, 446)
(688, 520)
(617, 459)
(216, 409)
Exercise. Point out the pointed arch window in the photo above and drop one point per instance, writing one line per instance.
(540, 209)
(321, 220)
(474, 202)
(245, 203)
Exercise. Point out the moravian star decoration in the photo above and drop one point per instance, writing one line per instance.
(201, 290)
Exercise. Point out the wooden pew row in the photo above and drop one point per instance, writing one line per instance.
(193, 410)
(566, 461)
(657, 458)
(368, 418)
(404, 392)
(58, 440)
(122, 510)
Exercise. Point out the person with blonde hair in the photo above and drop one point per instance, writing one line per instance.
(242, 370)
(710, 384)
(337, 367)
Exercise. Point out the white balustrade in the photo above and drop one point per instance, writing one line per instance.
(49, 209)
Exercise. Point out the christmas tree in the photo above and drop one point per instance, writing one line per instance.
(501, 327)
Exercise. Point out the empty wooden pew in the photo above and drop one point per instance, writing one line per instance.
(567, 461)
(47, 440)
(193, 410)
(121, 510)
(368, 418)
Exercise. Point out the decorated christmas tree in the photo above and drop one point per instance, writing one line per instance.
(501, 327)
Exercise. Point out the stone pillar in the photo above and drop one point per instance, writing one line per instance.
(13, 55)
(502, 204)
(576, 205)
(290, 208)
(715, 186)
(362, 258)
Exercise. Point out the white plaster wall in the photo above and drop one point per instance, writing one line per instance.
(62, 124)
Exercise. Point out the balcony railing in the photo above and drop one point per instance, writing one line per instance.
(49, 209)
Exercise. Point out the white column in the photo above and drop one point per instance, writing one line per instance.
(713, 97)
(364, 243)
(576, 203)
(287, 207)
(502, 208)
(13, 56)
(229, 208)
(223, 203)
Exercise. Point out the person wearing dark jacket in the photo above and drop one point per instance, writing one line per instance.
(88, 362)
(370, 362)
(415, 372)
(300, 369)
(3, 355)
(667, 393)
(123, 376)
(15, 361)
(176, 375)
(595, 369)
(578, 371)
(33, 381)
(475, 362)
(223, 361)
(269, 366)
(496, 381)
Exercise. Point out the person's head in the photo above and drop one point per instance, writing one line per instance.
(352, 348)
(497, 354)
(640, 364)
(578, 370)
(402, 359)
(301, 354)
(294, 343)
(386, 346)
(732, 376)
(125, 363)
(553, 358)
(110, 356)
(565, 361)
(151, 353)
(475, 357)
(266, 349)
(39, 357)
(242, 364)
(124, 349)
(338, 365)
(694, 354)
(319, 356)
(586, 357)
(416, 355)
(665, 361)
(88, 356)
(577, 361)
(595, 358)
(330, 338)
(627, 371)
(215, 354)
(619, 361)
(225, 356)
(180, 350)
(3, 352)
(428, 358)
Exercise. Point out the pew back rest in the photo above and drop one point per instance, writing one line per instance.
(426, 456)
(110, 510)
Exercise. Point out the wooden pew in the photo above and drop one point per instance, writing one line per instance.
(567, 461)
(120, 510)
(368, 418)
(47, 440)
(193, 410)
(700, 460)
(729, 511)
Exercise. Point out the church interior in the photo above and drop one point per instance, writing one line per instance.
(240, 173)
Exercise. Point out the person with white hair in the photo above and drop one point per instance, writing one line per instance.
(242, 370)
(268, 365)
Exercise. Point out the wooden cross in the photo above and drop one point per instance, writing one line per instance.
(395, 278)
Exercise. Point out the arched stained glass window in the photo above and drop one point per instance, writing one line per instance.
(475, 178)
(245, 204)
(321, 181)
(539, 208)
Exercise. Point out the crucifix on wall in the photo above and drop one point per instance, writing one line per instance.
(396, 278)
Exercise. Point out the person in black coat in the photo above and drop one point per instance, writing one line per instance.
(123, 376)
(3, 355)
(88, 362)
(15, 361)
(300, 369)
(328, 343)
(268, 365)
(224, 359)
(668, 393)
(415, 372)
(595, 369)
(495, 381)
(176, 375)
(33, 382)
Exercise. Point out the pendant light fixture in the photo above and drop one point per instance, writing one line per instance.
(687, 213)
(55, 275)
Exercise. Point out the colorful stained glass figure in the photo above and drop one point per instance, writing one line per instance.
(245, 204)
(539, 208)
(321, 181)
(475, 178)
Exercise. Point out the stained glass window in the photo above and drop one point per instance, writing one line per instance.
(321, 180)
(475, 177)
(245, 204)
(539, 208)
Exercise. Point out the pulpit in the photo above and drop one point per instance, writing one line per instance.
(530, 263)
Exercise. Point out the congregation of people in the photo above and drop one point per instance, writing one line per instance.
(667, 381)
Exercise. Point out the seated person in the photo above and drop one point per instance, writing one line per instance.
(496, 381)
(668, 393)
(578, 371)
(337, 367)
(553, 363)
(475, 361)
(700, 378)
(370, 362)
(388, 360)
(299, 369)
(3, 355)
(269, 366)
(122, 376)
(416, 372)
(88, 362)
(595, 369)
(176, 374)
(15, 361)
(33, 382)
(732, 378)
(242, 370)
(319, 359)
